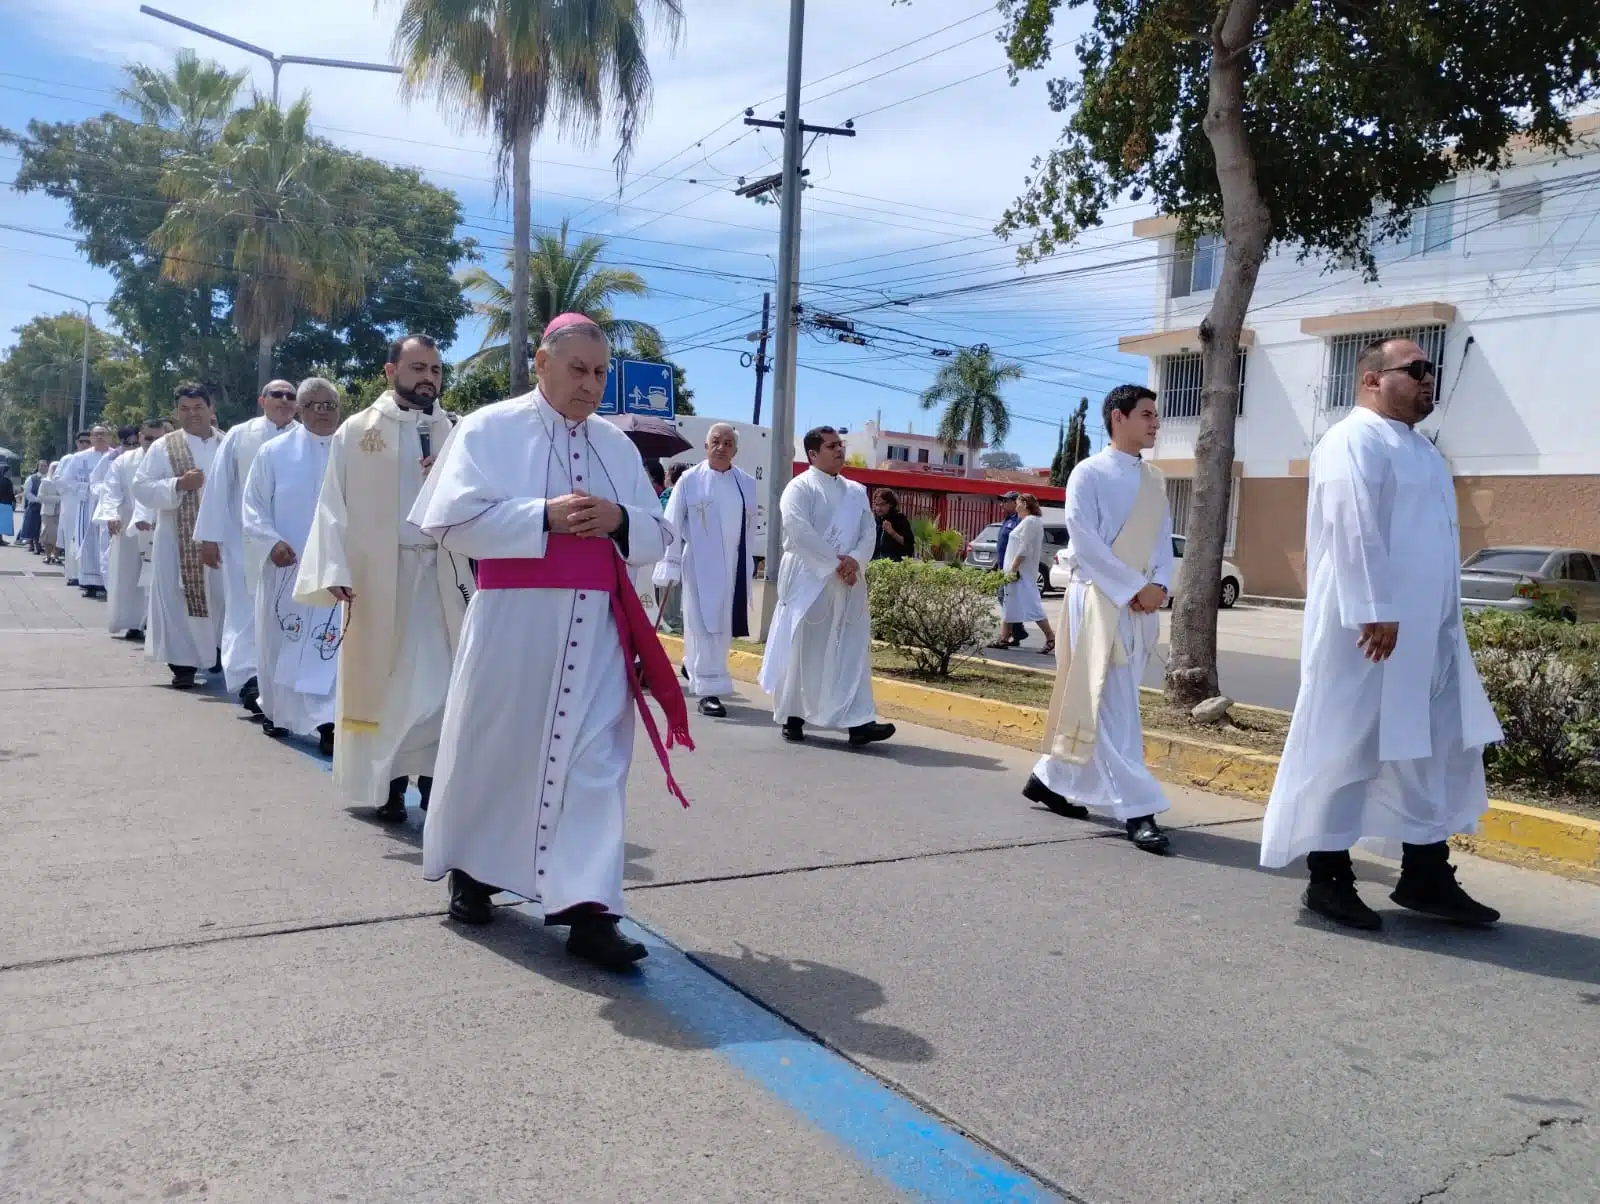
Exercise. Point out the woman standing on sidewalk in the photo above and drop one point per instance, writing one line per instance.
(1021, 603)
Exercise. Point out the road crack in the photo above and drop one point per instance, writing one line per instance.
(1522, 1147)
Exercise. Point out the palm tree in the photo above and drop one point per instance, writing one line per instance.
(264, 211)
(561, 279)
(513, 66)
(974, 412)
(193, 100)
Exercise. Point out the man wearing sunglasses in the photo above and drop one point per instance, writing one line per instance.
(1387, 740)
(220, 530)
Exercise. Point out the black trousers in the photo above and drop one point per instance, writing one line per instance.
(1414, 859)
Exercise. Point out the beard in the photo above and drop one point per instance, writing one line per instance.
(419, 396)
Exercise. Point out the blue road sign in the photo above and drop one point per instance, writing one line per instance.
(646, 389)
(608, 403)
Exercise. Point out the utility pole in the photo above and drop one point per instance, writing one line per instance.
(762, 365)
(83, 374)
(276, 60)
(788, 182)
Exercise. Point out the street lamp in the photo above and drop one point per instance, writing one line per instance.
(83, 377)
(277, 60)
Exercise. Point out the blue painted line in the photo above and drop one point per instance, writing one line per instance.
(891, 1136)
(887, 1133)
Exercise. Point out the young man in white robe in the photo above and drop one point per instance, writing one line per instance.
(128, 602)
(73, 493)
(554, 505)
(185, 593)
(818, 660)
(1119, 541)
(220, 530)
(712, 513)
(297, 646)
(1386, 744)
(403, 595)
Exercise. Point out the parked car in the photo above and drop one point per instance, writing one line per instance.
(1232, 578)
(1511, 578)
(981, 551)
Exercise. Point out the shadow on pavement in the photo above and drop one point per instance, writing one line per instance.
(632, 871)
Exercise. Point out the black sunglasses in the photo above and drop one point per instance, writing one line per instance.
(1417, 370)
(281, 395)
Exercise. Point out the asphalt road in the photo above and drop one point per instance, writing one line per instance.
(875, 976)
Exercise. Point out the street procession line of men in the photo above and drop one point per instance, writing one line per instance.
(456, 602)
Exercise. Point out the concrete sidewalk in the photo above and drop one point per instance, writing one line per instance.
(220, 982)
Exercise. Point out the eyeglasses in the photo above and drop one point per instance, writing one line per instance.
(1418, 370)
(321, 407)
(281, 395)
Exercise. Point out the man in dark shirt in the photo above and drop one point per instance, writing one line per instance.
(1017, 631)
(895, 540)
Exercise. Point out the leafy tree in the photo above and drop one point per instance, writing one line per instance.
(968, 387)
(1075, 442)
(1282, 122)
(561, 279)
(1058, 478)
(40, 377)
(193, 100)
(514, 66)
(478, 386)
(266, 206)
(1002, 460)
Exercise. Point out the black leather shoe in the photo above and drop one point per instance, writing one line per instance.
(182, 677)
(425, 789)
(712, 708)
(469, 899)
(1146, 835)
(1339, 902)
(1037, 792)
(596, 939)
(134, 636)
(271, 730)
(325, 739)
(794, 730)
(249, 696)
(1437, 893)
(870, 733)
(393, 810)
(73, 582)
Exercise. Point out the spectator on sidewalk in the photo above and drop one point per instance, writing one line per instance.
(30, 508)
(1020, 601)
(895, 538)
(1012, 634)
(50, 514)
(8, 506)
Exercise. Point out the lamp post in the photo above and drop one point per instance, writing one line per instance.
(83, 375)
(276, 60)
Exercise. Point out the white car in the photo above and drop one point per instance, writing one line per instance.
(1232, 578)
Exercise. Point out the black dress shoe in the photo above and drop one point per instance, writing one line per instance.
(1147, 836)
(870, 733)
(1339, 902)
(72, 582)
(425, 789)
(1037, 792)
(596, 939)
(683, 672)
(272, 730)
(469, 899)
(393, 810)
(711, 707)
(1437, 893)
(794, 730)
(133, 635)
(249, 696)
(325, 739)
(182, 677)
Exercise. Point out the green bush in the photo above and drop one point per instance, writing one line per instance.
(931, 613)
(1543, 676)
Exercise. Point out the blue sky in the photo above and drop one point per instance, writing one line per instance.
(901, 211)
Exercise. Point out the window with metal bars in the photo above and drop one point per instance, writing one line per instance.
(1339, 387)
(1178, 397)
(1180, 493)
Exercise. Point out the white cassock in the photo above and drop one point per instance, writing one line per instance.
(1385, 752)
(1100, 501)
(708, 512)
(77, 513)
(1021, 603)
(818, 661)
(538, 732)
(221, 522)
(97, 492)
(176, 637)
(297, 646)
(67, 516)
(127, 601)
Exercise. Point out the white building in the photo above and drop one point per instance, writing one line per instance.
(1499, 280)
(871, 446)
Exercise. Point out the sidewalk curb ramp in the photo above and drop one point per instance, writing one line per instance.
(1568, 845)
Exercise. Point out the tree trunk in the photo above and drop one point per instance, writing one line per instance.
(263, 362)
(974, 445)
(1247, 229)
(521, 238)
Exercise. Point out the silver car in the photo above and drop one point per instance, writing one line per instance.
(1511, 579)
(981, 551)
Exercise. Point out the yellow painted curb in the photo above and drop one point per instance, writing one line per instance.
(1513, 832)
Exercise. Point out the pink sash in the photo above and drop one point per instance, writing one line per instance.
(573, 563)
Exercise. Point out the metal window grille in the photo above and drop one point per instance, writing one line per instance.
(1180, 493)
(1179, 394)
(1339, 389)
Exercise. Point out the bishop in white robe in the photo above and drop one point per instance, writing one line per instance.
(818, 659)
(1119, 541)
(1386, 744)
(185, 593)
(127, 599)
(403, 596)
(554, 506)
(297, 646)
(712, 511)
(220, 530)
